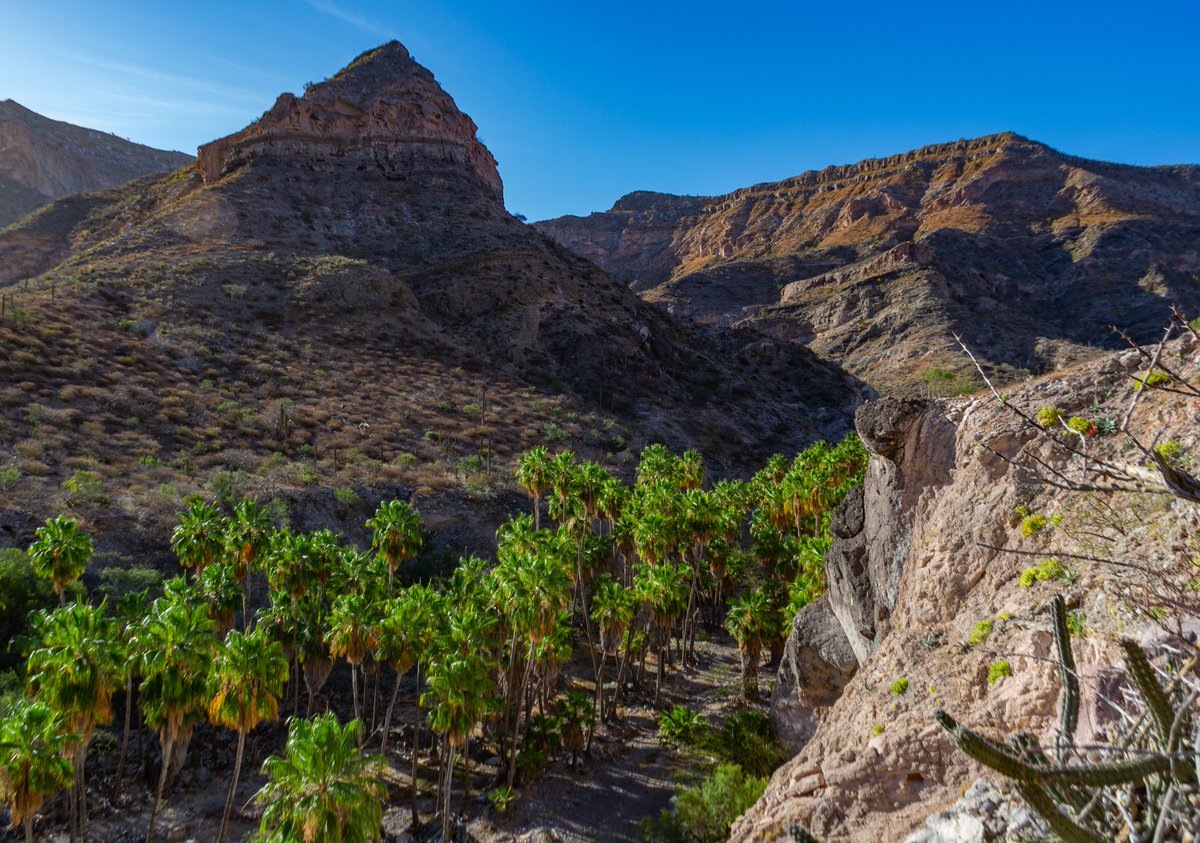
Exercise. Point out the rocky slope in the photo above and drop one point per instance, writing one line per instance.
(43, 159)
(933, 545)
(1028, 252)
(336, 298)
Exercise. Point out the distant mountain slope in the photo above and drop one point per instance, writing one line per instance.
(336, 298)
(43, 159)
(1028, 253)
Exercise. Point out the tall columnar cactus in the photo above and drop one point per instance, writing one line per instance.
(1065, 793)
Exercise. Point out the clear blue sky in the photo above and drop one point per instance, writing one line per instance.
(582, 102)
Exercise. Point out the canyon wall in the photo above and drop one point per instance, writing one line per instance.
(933, 546)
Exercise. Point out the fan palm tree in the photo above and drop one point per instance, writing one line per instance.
(322, 788)
(176, 647)
(459, 690)
(75, 668)
(248, 676)
(199, 538)
(248, 538)
(532, 475)
(396, 533)
(351, 635)
(130, 613)
(60, 553)
(34, 746)
(613, 608)
(751, 620)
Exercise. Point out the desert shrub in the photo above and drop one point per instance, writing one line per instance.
(745, 739)
(705, 813)
(9, 475)
(899, 687)
(681, 725)
(944, 383)
(345, 496)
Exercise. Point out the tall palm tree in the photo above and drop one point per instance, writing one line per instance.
(613, 608)
(34, 746)
(322, 788)
(351, 635)
(177, 647)
(247, 678)
(460, 691)
(60, 553)
(396, 535)
(130, 612)
(199, 538)
(532, 472)
(75, 668)
(248, 537)
(751, 621)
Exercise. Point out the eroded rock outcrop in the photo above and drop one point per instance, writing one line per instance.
(924, 586)
(383, 110)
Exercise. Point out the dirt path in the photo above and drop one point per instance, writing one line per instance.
(630, 775)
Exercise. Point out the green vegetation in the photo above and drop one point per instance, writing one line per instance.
(1050, 569)
(615, 575)
(998, 670)
(979, 633)
(1031, 525)
(899, 687)
(704, 813)
(944, 383)
(1049, 416)
(1144, 767)
(1082, 425)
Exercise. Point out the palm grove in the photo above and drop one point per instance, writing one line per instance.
(618, 580)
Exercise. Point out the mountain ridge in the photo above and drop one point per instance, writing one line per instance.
(1010, 222)
(43, 159)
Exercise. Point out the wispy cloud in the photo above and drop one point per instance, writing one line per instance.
(328, 7)
(167, 81)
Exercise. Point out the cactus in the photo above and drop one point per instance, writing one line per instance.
(1070, 796)
(1069, 700)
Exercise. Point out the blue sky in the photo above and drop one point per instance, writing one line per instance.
(582, 102)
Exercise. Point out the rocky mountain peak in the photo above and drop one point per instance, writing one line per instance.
(382, 110)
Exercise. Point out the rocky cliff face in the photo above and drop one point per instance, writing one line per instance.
(383, 111)
(42, 159)
(931, 548)
(1029, 253)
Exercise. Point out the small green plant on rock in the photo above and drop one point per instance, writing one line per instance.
(1049, 570)
(1031, 525)
(979, 633)
(998, 670)
(501, 798)
(1049, 416)
(899, 687)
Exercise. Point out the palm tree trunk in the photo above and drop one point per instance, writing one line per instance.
(387, 718)
(124, 740)
(162, 783)
(73, 801)
(512, 759)
(416, 817)
(449, 789)
(83, 814)
(28, 827)
(237, 769)
(354, 688)
(466, 775)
